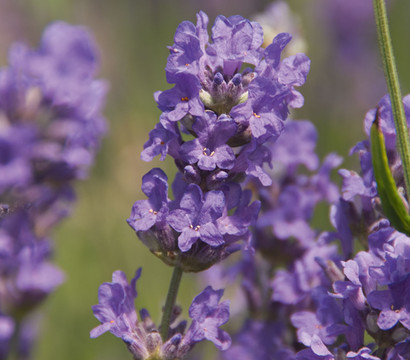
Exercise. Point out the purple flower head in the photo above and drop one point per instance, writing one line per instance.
(207, 316)
(117, 314)
(66, 63)
(256, 98)
(196, 216)
(171, 228)
(51, 126)
(52, 110)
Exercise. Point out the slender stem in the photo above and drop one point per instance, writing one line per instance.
(392, 80)
(170, 302)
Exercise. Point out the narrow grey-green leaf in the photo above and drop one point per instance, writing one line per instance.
(392, 203)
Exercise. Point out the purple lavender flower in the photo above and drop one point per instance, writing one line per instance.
(171, 228)
(209, 150)
(51, 126)
(207, 316)
(116, 310)
(117, 314)
(54, 83)
(181, 100)
(161, 141)
(145, 213)
(196, 216)
(255, 100)
(393, 305)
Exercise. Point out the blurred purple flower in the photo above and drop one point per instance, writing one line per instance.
(6, 332)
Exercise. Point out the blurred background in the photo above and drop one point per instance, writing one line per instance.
(345, 81)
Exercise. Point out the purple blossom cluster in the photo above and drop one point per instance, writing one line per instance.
(232, 96)
(50, 128)
(352, 303)
(117, 314)
(228, 104)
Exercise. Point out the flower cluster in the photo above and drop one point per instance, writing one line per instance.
(50, 129)
(228, 104)
(344, 305)
(233, 97)
(117, 314)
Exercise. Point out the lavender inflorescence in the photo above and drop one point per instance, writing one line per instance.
(50, 129)
(232, 97)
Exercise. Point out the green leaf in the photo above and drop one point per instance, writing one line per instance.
(392, 203)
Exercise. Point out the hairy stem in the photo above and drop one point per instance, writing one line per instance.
(392, 80)
(170, 302)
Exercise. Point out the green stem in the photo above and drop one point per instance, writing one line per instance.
(170, 302)
(392, 80)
